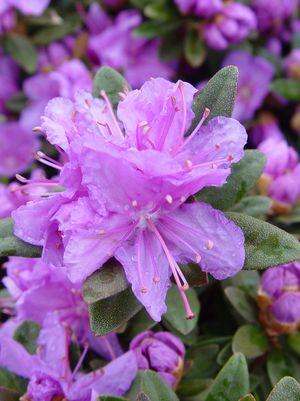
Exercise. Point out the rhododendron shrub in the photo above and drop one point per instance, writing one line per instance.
(149, 200)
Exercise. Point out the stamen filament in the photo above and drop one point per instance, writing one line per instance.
(80, 361)
(46, 162)
(111, 112)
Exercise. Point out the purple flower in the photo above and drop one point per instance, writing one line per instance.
(31, 282)
(202, 8)
(9, 75)
(49, 372)
(125, 195)
(292, 64)
(7, 18)
(282, 171)
(29, 7)
(271, 19)
(266, 127)
(55, 54)
(231, 25)
(255, 74)
(162, 352)
(65, 81)
(17, 146)
(116, 46)
(279, 298)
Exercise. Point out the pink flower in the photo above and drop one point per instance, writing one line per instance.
(125, 195)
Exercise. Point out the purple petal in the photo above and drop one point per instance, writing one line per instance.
(198, 231)
(287, 308)
(147, 270)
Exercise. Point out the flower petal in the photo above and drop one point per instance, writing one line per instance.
(147, 270)
(197, 231)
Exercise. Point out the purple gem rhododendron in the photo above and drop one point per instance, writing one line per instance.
(126, 179)
(279, 298)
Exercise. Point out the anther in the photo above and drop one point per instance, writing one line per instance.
(209, 245)
(230, 157)
(122, 95)
(134, 203)
(188, 164)
(101, 232)
(144, 290)
(197, 258)
(214, 166)
(218, 145)
(156, 279)
(37, 129)
(183, 199)
(169, 199)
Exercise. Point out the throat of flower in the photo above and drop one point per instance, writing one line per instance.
(180, 280)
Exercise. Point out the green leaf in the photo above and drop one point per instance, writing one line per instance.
(11, 381)
(224, 354)
(253, 205)
(153, 29)
(191, 387)
(248, 397)
(160, 11)
(22, 51)
(246, 280)
(232, 382)
(27, 334)
(294, 342)
(175, 315)
(218, 95)
(193, 48)
(266, 245)
(291, 218)
(194, 275)
(280, 364)
(288, 88)
(10, 245)
(111, 82)
(49, 34)
(251, 341)
(111, 398)
(152, 386)
(16, 103)
(288, 389)
(139, 323)
(202, 361)
(8, 395)
(243, 177)
(242, 303)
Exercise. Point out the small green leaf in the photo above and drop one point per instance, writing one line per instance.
(194, 275)
(11, 381)
(160, 11)
(202, 361)
(288, 88)
(139, 323)
(253, 205)
(153, 29)
(248, 397)
(246, 280)
(22, 51)
(112, 312)
(294, 342)
(218, 95)
(193, 48)
(8, 395)
(27, 334)
(152, 386)
(224, 354)
(266, 245)
(175, 315)
(49, 34)
(251, 341)
(243, 177)
(280, 364)
(191, 387)
(111, 398)
(16, 103)
(288, 389)
(232, 382)
(111, 82)
(242, 303)
(10, 245)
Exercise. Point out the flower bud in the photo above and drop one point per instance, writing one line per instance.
(161, 352)
(279, 299)
(43, 388)
(292, 64)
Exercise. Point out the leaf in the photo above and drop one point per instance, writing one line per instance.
(160, 11)
(242, 303)
(11, 381)
(152, 386)
(243, 177)
(194, 49)
(288, 88)
(22, 51)
(232, 382)
(153, 29)
(251, 341)
(8, 395)
(191, 387)
(224, 354)
(294, 342)
(27, 334)
(110, 313)
(288, 389)
(16, 103)
(175, 315)
(139, 323)
(111, 398)
(266, 245)
(253, 205)
(202, 361)
(248, 397)
(246, 280)
(49, 34)
(10, 245)
(194, 275)
(280, 364)
(218, 95)
(111, 82)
